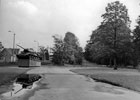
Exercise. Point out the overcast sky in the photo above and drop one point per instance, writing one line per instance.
(40, 19)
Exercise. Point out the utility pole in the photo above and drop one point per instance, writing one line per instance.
(37, 45)
(14, 47)
(13, 51)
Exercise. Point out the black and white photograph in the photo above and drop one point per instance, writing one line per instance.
(69, 49)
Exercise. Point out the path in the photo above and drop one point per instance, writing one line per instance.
(61, 84)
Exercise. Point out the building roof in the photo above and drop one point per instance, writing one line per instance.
(10, 51)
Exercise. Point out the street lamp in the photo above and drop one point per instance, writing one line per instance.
(37, 45)
(13, 44)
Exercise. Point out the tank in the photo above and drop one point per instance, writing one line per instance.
(28, 58)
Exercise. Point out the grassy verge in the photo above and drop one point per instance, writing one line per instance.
(126, 78)
(7, 76)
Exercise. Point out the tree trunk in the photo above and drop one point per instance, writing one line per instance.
(110, 62)
(115, 65)
(115, 40)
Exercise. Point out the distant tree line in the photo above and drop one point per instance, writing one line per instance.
(113, 43)
(67, 50)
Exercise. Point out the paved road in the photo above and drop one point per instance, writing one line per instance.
(61, 84)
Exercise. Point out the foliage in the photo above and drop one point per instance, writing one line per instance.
(136, 43)
(58, 50)
(111, 41)
(1, 48)
(67, 50)
(73, 52)
(44, 53)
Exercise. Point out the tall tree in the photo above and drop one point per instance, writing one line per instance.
(136, 42)
(73, 51)
(117, 21)
(110, 42)
(58, 50)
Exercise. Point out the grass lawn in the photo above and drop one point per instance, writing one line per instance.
(127, 78)
(8, 75)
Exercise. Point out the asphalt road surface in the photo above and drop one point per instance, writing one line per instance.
(62, 84)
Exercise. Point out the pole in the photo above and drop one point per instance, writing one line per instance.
(37, 45)
(13, 46)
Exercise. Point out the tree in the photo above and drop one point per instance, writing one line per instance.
(112, 38)
(58, 50)
(73, 51)
(44, 53)
(97, 49)
(67, 50)
(116, 17)
(1, 46)
(136, 43)
(47, 54)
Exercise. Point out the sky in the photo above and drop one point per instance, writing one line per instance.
(39, 20)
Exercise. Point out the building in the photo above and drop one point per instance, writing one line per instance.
(6, 55)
